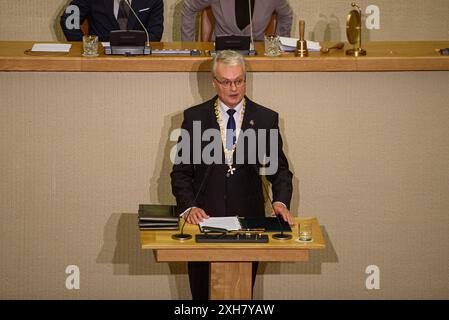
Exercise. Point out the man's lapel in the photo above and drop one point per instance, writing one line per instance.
(136, 5)
(211, 119)
(247, 123)
(228, 10)
(109, 9)
(248, 117)
(212, 123)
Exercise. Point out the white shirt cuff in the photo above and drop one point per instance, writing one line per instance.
(279, 202)
(185, 211)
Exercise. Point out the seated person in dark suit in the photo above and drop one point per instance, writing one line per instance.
(232, 17)
(232, 186)
(107, 15)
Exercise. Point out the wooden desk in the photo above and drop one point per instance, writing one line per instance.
(382, 56)
(230, 276)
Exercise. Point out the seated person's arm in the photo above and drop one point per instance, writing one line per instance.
(189, 11)
(74, 34)
(155, 23)
(284, 16)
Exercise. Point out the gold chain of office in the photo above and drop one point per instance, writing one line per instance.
(229, 154)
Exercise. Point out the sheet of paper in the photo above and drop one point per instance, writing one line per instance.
(51, 47)
(289, 44)
(228, 223)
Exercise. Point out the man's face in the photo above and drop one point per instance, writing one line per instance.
(230, 84)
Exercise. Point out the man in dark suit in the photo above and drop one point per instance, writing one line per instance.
(233, 185)
(107, 15)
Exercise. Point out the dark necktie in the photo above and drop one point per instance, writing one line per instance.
(123, 14)
(242, 13)
(230, 129)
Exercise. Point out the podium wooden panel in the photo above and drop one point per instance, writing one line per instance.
(231, 263)
(382, 56)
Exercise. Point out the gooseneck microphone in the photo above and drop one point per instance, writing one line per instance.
(185, 236)
(147, 44)
(251, 46)
(276, 236)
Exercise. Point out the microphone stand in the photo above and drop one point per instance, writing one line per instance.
(147, 44)
(251, 46)
(185, 236)
(276, 236)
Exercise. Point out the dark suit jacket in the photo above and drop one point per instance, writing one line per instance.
(102, 21)
(242, 193)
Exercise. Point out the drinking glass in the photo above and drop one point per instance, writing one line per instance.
(90, 46)
(272, 46)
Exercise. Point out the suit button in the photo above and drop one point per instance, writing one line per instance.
(224, 197)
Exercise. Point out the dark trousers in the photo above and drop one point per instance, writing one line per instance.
(199, 279)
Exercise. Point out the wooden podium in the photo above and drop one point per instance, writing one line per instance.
(230, 272)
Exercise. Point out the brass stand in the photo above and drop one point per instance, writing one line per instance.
(354, 32)
(358, 52)
(301, 45)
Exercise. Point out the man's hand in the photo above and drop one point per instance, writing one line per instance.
(196, 216)
(281, 210)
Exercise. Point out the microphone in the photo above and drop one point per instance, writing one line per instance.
(251, 45)
(277, 236)
(185, 236)
(147, 44)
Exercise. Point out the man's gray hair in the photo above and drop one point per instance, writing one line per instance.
(229, 58)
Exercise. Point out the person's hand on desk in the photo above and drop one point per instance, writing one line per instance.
(196, 216)
(281, 210)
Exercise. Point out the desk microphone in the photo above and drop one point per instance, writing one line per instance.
(185, 236)
(147, 44)
(251, 45)
(276, 236)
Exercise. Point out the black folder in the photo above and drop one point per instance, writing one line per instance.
(158, 212)
(168, 227)
(270, 224)
(158, 217)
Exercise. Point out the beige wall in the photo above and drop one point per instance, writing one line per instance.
(370, 153)
(400, 20)
(80, 151)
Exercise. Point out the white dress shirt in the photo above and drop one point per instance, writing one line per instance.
(237, 117)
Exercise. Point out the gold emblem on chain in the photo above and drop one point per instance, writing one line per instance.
(229, 154)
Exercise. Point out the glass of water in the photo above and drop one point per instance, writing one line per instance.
(305, 230)
(90, 46)
(272, 46)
